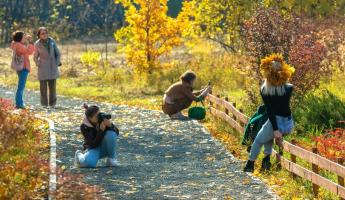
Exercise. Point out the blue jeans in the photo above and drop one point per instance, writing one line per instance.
(266, 135)
(105, 150)
(22, 76)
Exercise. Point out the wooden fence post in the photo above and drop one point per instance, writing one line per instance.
(293, 159)
(218, 106)
(211, 104)
(234, 116)
(278, 160)
(241, 123)
(315, 169)
(340, 161)
(226, 110)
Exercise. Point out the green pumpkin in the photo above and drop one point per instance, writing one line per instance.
(197, 112)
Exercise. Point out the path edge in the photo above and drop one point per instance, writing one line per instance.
(52, 157)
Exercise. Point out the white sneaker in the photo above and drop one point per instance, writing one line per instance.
(111, 162)
(77, 156)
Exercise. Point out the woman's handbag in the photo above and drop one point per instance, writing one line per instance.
(197, 112)
(17, 62)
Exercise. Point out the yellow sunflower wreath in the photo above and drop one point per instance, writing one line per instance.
(276, 70)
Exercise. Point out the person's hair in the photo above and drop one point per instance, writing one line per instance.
(188, 76)
(90, 111)
(271, 90)
(18, 36)
(40, 29)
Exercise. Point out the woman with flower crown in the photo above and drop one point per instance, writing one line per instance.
(276, 93)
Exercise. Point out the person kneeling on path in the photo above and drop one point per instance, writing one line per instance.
(99, 139)
(180, 96)
(276, 93)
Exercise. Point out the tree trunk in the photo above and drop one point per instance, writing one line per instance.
(45, 10)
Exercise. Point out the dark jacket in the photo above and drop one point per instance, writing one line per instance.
(93, 136)
(278, 105)
(254, 125)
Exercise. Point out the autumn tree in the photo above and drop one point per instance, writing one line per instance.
(309, 8)
(220, 21)
(270, 31)
(306, 55)
(150, 33)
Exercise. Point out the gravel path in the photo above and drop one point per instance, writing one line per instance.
(161, 159)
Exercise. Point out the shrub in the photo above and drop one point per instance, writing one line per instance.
(268, 32)
(91, 59)
(23, 155)
(332, 144)
(6, 105)
(320, 110)
(332, 35)
(296, 38)
(306, 55)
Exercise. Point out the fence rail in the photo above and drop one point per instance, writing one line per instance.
(227, 111)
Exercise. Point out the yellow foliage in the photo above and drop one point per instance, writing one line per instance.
(221, 20)
(150, 33)
(91, 59)
(276, 75)
(23, 156)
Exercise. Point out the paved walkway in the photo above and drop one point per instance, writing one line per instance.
(161, 159)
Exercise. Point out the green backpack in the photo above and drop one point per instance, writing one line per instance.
(197, 112)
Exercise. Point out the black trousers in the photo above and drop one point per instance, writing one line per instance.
(44, 85)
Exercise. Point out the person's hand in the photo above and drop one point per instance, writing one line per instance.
(102, 126)
(277, 134)
(278, 137)
(28, 38)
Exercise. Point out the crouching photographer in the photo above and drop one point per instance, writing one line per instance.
(99, 139)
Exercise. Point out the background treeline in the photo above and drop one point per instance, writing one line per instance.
(87, 18)
(67, 19)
